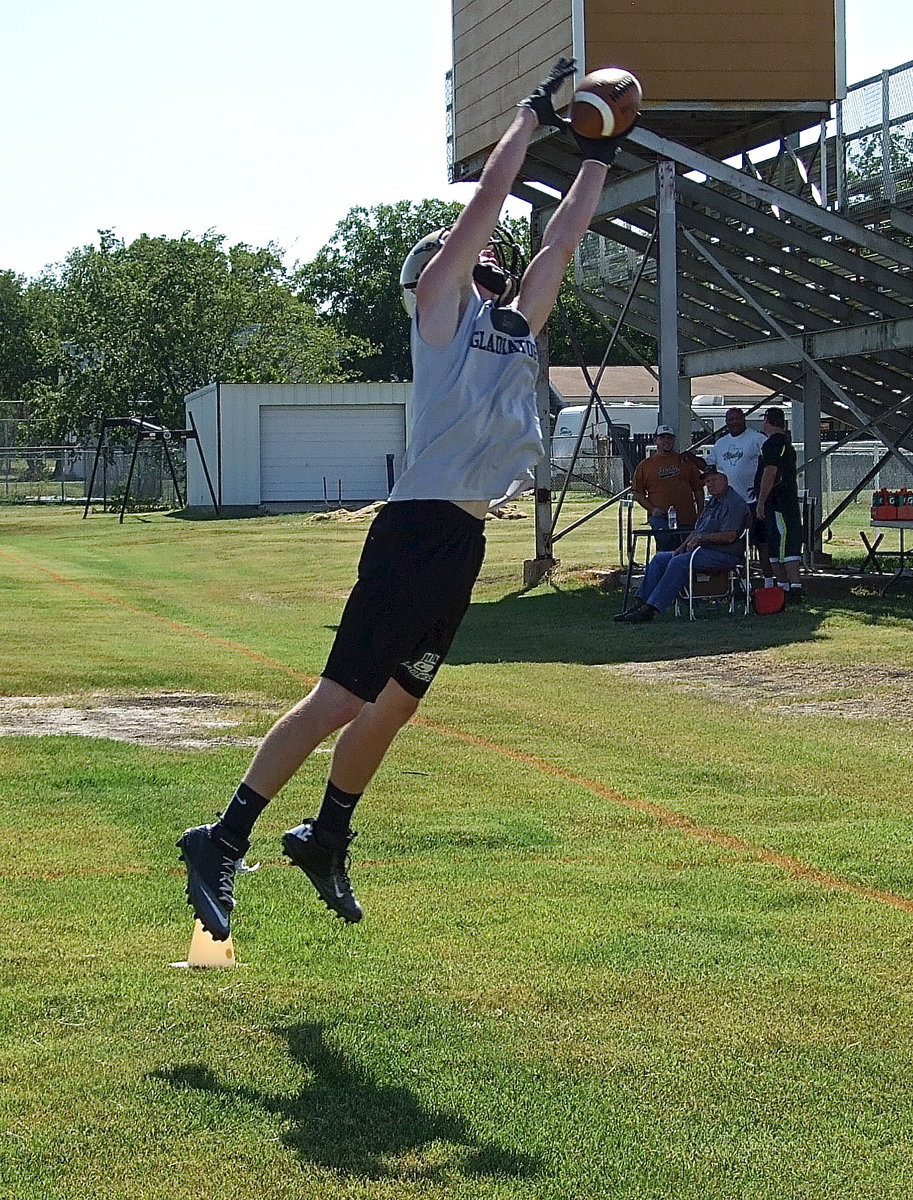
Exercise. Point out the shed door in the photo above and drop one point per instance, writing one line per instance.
(345, 444)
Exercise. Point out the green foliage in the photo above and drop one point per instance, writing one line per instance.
(865, 159)
(19, 357)
(131, 329)
(354, 280)
(591, 334)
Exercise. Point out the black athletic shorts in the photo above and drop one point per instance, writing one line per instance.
(415, 579)
(784, 533)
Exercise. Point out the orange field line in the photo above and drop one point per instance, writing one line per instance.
(671, 819)
(667, 817)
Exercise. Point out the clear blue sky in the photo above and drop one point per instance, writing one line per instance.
(265, 122)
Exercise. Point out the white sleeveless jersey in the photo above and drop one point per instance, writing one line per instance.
(474, 427)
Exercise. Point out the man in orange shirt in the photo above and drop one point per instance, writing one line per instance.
(667, 480)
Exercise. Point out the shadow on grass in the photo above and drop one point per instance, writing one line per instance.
(244, 513)
(345, 1120)
(574, 625)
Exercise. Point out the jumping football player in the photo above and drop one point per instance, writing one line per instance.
(475, 430)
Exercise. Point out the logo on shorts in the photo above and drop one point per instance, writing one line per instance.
(424, 667)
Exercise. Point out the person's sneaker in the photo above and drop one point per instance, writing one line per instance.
(628, 612)
(212, 861)
(324, 859)
(645, 613)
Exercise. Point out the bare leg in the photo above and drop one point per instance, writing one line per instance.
(361, 746)
(792, 570)
(322, 853)
(294, 736)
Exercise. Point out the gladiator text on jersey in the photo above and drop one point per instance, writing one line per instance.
(497, 343)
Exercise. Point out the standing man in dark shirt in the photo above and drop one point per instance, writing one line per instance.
(777, 489)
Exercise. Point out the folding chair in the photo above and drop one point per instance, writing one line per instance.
(719, 583)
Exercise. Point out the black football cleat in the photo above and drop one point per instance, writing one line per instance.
(324, 859)
(212, 862)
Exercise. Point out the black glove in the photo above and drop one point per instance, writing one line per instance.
(541, 99)
(601, 149)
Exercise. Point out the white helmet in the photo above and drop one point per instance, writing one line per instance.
(417, 259)
(502, 278)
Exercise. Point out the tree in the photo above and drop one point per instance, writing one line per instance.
(19, 358)
(131, 329)
(354, 280)
(865, 156)
(591, 334)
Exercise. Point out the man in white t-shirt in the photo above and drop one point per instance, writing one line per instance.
(737, 453)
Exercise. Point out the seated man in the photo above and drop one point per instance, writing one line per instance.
(715, 538)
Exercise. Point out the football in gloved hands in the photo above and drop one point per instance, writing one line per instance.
(606, 103)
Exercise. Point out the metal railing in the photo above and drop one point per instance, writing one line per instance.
(874, 133)
(861, 157)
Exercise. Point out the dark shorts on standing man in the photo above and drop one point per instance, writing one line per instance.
(784, 532)
(420, 561)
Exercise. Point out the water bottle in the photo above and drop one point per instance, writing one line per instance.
(672, 517)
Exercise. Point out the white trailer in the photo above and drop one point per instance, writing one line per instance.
(631, 417)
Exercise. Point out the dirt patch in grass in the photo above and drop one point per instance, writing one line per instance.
(509, 512)
(177, 720)
(757, 678)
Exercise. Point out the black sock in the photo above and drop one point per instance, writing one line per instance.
(239, 817)
(335, 814)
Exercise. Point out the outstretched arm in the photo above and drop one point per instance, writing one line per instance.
(443, 287)
(570, 221)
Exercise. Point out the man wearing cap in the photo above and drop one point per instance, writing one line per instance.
(667, 480)
(778, 506)
(715, 539)
(738, 453)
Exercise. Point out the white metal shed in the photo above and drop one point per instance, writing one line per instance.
(281, 446)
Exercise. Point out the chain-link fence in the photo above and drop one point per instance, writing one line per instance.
(599, 260)
(870, 138)
(598, 472)
(62, 474)
(875, 140)
(842, 470)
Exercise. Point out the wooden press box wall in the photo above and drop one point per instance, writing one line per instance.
(500, 52)
(727, 51)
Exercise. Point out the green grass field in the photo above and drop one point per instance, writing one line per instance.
(636, 928)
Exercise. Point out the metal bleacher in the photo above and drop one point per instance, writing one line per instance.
(776, 244)
(788, 261)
